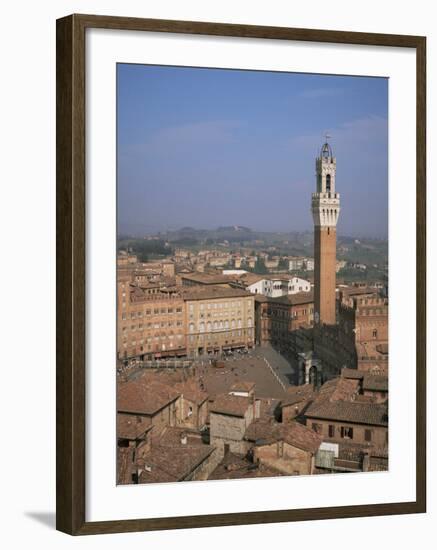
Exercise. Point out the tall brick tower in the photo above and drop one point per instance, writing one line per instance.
(325, 207)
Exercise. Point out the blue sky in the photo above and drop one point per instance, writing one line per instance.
(211, 147)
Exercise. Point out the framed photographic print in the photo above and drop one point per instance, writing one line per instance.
(240, 274)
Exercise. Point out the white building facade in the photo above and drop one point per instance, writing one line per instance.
(273, 288)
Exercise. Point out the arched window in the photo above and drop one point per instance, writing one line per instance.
(249, 322)
(191, 327)
(208, 326)
(328, 183)
(233, 323)
(202, 327)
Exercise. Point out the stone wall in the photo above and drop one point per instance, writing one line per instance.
(204, 470)
(230, 430)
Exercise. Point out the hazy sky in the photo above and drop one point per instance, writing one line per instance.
(212, 147)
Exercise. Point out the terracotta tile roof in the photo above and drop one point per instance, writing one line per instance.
(357, 291)
(190, 390)
(136, 293)
(268, 407)
(349, 411)
(251, 278)
(352, 373)
(209, 278)
(338, 389)
(263, 431)
(295, 299)
(125, 465)
(375, 382)
(172, 436)
(235, 466)
(132, 427)
(337, 400)
(242, 386)
(148, 285)
(144, 397)
(364, 399)
(168, 376)
(300, 436)
(140, 295)
(231, 405)
(295, 434)
(213, 292)
(291, 299)
(297, 394)
(164, 464)
(260, 298)
(154, 474)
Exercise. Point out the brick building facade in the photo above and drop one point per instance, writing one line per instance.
(277, 318)
(218, 319)
(151, 322)
(360, 339)
(342, 414)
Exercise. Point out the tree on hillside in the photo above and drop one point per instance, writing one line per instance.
(283, 264)
(260, 267)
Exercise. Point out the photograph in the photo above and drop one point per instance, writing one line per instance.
(226, 218)
(252, 274)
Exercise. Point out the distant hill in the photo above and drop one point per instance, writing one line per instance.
(234, 228)
(293, 243)
(231, 233)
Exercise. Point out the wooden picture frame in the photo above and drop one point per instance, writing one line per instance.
(70, 204)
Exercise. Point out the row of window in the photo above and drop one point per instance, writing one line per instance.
(209, 337)
(162, 324)
(156, 311)
(286, 315)
(156, 347)
(154, 339)
(346, 432)
(369, 312)
(216, 314)
(220, 305)
(219, 325)
(290, 287)
(170, 334)
(163, 336)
